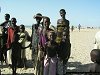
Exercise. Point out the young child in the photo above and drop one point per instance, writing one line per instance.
(24, 36)
(16, 52)
(50, 59)
(63, 54)
(95, 57)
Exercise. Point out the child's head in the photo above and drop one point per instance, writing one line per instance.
(95, 55)
(64, 36)
(51, 36)
(46, 22)
(22, 28)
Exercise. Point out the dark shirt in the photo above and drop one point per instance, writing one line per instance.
(51, 50)
(16, 49)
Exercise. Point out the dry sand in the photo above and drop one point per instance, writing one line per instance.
(81, 44)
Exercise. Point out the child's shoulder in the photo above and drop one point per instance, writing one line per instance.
(94, 67)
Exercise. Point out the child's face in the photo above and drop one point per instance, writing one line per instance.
(93, 57)
(21, 29)
(46, 22)
(51, 36)
(64, 36)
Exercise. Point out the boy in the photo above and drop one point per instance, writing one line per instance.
(95, 57)
(16, 52)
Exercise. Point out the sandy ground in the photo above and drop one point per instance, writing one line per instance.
(81, 45)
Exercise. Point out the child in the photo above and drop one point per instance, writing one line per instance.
(95, 57)
(16, 52)
(63, 54)
(24, 37)
(50, 59)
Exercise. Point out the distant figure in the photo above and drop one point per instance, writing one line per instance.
(72, 28)
(4, 37)
(50, 59)
(79, 27)
(63, 26)
(95, 57)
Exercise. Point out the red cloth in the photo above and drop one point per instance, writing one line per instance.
(10, 36)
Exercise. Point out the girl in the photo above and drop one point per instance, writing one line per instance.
(50, 59)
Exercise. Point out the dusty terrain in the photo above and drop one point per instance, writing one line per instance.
(81, 45)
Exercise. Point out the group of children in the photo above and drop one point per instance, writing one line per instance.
(50, 47)
(12, 43)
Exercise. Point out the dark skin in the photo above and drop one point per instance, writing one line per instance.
(22, 29)
(38, 20)
(63, 37)
(36, 49)
(47, 23)
(46, 29)
(63, 21)
(7, 17)
(13, 25)
(51, 44)
(4, 37)
(16, 52)
(95, 57)
(62, 14)
(13, 22)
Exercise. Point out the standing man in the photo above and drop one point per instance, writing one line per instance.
(36, 52)
(63, 39)
(5, 26)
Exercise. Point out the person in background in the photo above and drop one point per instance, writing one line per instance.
(79, 27)
(72, 28)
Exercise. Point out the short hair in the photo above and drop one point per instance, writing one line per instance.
(53, 32)
(22, 26)
(47, 18)
(62, 10)
(7, 15)
(38, 14)
(14, 19)
(96, 52)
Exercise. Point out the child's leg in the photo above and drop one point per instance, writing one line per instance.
(65, 66)
(5, 54)
(14, 65)
(46, 66)
(52, 67)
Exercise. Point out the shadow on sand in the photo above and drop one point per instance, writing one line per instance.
(77, 68)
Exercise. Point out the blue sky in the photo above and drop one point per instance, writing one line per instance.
(84, 12)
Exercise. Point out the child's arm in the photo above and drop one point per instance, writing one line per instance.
(25, 47)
